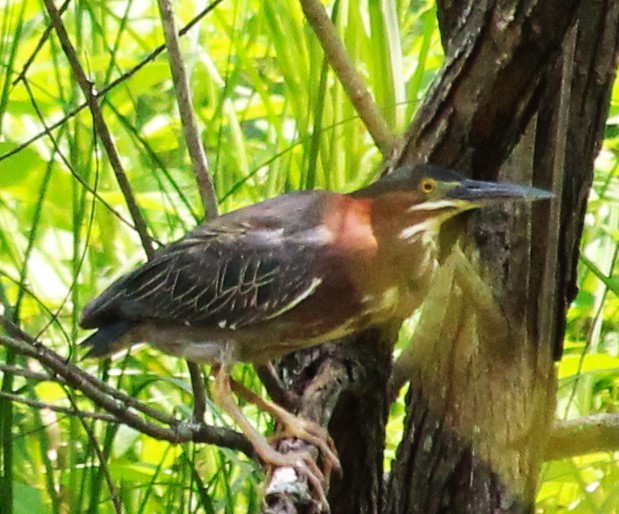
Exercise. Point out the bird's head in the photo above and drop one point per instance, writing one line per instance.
(425, 196)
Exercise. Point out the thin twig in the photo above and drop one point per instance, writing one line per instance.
(101, 128)
(176, 432)
(186, 111)
(198, 160)
(199, 392)
(116, 82)
(17, 333)
(69, 411)
(349, 78)
(65, 161)
(42, 40)
(29, 374)
(94, 444)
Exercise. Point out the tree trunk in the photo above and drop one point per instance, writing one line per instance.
(481, 367)
(482, 386)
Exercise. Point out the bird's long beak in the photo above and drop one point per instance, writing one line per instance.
(479, 192)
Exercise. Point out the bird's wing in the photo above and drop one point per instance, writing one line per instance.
(230, 273)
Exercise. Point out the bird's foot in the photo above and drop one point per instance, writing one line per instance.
(305, 466)
(313, 434)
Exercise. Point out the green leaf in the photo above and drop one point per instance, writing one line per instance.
(611, 282)
(28, 500)
(19, 167)
(572, 365)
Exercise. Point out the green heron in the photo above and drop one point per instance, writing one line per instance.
(288, 273)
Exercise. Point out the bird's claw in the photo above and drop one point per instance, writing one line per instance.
(302, 461)
(315, 435)
(305, 466)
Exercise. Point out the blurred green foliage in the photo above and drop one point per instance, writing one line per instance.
(273, 119)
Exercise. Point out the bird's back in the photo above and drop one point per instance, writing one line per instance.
(236, 270)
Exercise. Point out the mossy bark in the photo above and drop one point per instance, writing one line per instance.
(522, 96)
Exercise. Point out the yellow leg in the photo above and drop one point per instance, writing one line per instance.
(295, 426)
(302, 462)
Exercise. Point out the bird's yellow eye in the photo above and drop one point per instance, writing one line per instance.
(427, 185)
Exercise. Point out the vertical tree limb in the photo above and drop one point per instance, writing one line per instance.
(100, 126)
(351, 81)
(482, 401)
(186, 110)
(198, 160)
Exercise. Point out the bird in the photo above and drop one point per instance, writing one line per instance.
(288, 273)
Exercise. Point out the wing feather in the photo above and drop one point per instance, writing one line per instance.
(235, 271)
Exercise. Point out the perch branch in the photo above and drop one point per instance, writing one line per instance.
(15, 332)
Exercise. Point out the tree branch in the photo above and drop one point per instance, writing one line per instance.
(106, 89)
(352, 82)
(198, 160)
(185, 107)
(69, 411)
(101, 128)
(589, 434)
(123, 407)
(42, 40)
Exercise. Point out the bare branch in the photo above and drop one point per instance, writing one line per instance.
(198, 160)
(65, 161)
(589, 434)
(199, 394)
(104, 90)
(42, 40)
(176, 431)
(14, 331)
(106, 137)
(185, 107)
(69, 411)
(349, 78)
(29, 374)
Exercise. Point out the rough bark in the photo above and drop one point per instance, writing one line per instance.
(491, 83)
(482, 399)
(344, 385)
(595, 60)
(482, 395)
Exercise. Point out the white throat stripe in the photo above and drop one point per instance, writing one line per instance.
(433, 206)
(426, 226)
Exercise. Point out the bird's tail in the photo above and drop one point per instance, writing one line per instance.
(108, 339)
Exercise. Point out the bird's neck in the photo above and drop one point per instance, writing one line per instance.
(384, 232)
(400, 225)
(396, 256)
(350, 223)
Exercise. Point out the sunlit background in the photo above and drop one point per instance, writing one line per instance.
(274, 119)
